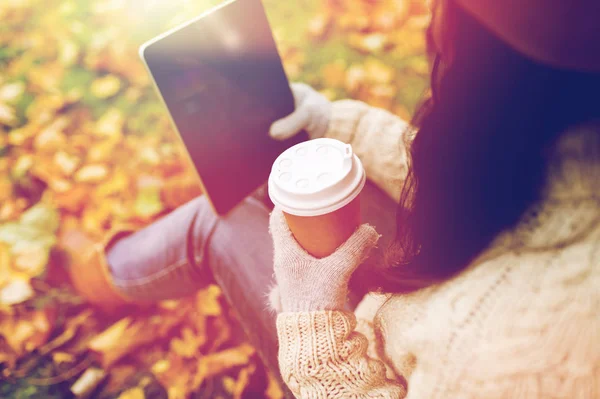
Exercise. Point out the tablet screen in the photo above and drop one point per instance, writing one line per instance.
(222, 80)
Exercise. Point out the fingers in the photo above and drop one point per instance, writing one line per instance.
(290, 125)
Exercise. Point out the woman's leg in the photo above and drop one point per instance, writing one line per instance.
(192, 247)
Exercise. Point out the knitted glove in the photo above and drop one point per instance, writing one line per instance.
(312, 114)
(305, 283)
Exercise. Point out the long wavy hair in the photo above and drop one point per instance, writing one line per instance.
(478, 160)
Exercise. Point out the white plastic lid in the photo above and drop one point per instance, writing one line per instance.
(316, 177)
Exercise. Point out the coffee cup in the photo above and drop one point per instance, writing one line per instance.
(317, 185)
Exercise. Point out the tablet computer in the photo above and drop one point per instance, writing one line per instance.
(221, 78)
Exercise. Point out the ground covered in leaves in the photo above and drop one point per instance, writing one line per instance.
(85, 144)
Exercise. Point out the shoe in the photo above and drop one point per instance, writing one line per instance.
(89, 273)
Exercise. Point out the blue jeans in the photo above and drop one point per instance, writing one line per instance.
(192, 247)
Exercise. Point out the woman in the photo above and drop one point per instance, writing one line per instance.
(491, 286)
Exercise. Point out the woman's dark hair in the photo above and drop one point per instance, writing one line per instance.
(479, 158)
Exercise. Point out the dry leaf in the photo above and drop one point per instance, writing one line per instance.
(217, 363)
(188, 346)
(110, 124)
(15, 292)
(207, 301)
(274, 390)
(7, 115)
(52, 137)
(12, 91)
(26, 333)
(88, 381)
(91, 173)
(62, 357)
(320, 26)
(133, 393)
(106, 86)
(148, 202)
(66, 163)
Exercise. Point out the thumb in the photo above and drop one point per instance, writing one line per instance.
(290, 125)
(356, 249)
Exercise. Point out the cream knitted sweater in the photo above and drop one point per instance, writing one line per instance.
(523, 321)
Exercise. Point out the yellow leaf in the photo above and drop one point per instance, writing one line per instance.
(148, 202)
(161, 366)
(5, 269)
(22, 166)
(111, 336)
(118, 183)
(188, 346)
(217, 363)
(319, 26)
(133, 393)
(378, 72)
(66, 163)
(371, 43)
(355, 77)
(88, 381)
(12, 91)
(62, 357)
(274, 390)
(28, 332)
(7, 115)
(207, 301)
(15, 292)
(31, 259)
(91, 173)
(52, 137)
(242, 381)
(106, 86)
(102, 151)
(110, 124)
(68, 52)
(229, 384)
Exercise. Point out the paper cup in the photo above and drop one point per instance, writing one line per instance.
(317, 185)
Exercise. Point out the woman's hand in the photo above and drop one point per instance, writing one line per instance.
(312, 114)
(305, 283)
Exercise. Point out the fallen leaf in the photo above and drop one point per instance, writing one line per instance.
(110, 125)
(28, 332)
(274, 390)
(15, 292)
(106, 86)
(74, 199)
(188, 345)
(7, 115)
(91, 173)
(66, 163)
(217, 363)
(52, 137)
(62, 357)
(320, 26)
(88, 382)
(133, 393)
(12, 91)
(207, 301)
(161, 366)
(148, 203)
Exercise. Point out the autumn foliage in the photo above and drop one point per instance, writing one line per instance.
(85, 145)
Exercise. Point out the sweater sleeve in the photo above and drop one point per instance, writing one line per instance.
(321, 355)
(379, 138)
